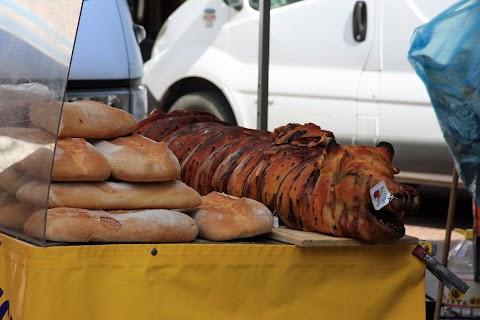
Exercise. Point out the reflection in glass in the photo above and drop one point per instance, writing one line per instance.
(37, 40)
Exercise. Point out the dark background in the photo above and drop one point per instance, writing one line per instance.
(151, 14)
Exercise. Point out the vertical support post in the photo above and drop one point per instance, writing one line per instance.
(263, 62)
(476, 240)
(448, 233)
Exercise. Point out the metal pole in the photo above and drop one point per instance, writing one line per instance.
(263, 62)
(446, 244)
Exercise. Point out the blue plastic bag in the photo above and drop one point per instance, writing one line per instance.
(445, 54)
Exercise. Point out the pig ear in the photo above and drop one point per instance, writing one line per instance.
(332, 147)
(387, 147)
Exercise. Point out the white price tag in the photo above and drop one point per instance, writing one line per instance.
(276, 223)
(380, 195)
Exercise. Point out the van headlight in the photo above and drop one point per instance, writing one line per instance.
(132, 100)
(138, 102)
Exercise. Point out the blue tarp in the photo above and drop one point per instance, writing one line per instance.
(445, 54)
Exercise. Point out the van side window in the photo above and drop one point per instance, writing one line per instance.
(273, 3)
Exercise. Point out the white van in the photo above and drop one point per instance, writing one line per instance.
(339, 64)
(107, 64)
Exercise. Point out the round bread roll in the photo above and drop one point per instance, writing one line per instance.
(223, 217)
(75, 160)
(137, 158)
(78, 160)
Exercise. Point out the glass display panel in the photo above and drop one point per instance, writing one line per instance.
(37, 39)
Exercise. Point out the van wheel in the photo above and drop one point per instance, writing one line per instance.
(208, 101)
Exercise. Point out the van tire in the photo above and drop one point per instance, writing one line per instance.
(208, 101)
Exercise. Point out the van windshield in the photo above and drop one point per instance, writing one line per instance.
(273, 3)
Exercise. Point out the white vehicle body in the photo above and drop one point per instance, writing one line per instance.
(365, 92)
(107, 64)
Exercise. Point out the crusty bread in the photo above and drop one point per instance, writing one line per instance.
(81, 225)
(6, 199)
(15, 215)
(75, 160)
(38, 163)
(46, 115)
(223, 217)
(83, 119)
(33, 135)
(108, 195)
(19, 143)
(137, 158)
(78, 160)
(11, 179)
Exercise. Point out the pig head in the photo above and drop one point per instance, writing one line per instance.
(338, 199)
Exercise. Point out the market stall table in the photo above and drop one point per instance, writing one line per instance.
(261, 278)
(258, 278)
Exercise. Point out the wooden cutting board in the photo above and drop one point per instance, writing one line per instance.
(314, 239)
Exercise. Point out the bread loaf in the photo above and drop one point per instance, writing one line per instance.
(223, 217)
(75, 160)
(78, 160)
(136, 158)
(19, 143)
(108, 195)
(81, 225)
(38, 163)
(11, 179)
(6, 199)
(15, 215)
(83, 119)
(46, 115)
(32, 135)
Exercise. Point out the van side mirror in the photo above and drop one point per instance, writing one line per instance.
(139, 31)
(236, 4)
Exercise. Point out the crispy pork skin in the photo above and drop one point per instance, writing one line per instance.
(298, 171)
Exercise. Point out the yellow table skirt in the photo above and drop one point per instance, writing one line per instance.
(209, 281)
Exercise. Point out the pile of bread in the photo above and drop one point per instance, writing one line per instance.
(108, 184)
